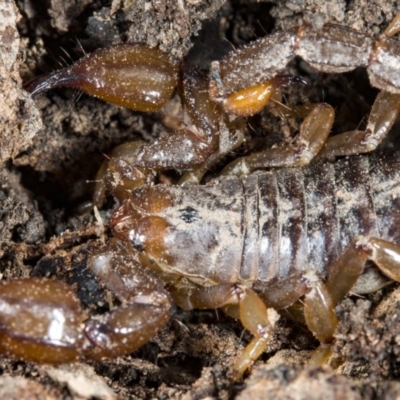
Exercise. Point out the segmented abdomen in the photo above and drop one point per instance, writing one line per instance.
(303, 218)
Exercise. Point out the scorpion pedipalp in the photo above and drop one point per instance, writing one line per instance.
(128, 75)
(41, 319)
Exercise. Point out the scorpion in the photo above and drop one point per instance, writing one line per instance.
(250, 243)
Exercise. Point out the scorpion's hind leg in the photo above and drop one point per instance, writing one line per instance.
(345, 272)
(257, 312)
(316, 308)
(343, 275)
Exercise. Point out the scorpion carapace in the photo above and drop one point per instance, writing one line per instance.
(292, 240)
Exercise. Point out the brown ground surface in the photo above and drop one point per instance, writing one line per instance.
(51, 147)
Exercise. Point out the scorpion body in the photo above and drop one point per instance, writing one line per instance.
(265, 227)
(286, 239)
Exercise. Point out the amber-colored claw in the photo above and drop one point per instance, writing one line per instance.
(128, 75)
(40, 321)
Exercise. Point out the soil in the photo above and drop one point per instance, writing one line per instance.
(52, 146)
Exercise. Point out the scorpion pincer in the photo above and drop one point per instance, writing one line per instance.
(291, 239)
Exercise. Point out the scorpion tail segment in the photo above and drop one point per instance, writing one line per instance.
(128, 75)
(40, 321)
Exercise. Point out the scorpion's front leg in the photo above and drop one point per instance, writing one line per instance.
(311, 139)
(384, 113)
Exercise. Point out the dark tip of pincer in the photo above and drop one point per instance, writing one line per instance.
(50, 81)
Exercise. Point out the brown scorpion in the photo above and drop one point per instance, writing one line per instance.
(293, 239)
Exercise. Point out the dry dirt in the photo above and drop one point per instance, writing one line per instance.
(50, 149)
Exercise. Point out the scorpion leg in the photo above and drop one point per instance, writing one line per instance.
(260, 321)
(258, 318)
(343, 275)
(320, 298)
(320, 301)
(317, 309)
(312, 137)
(238, 302)
(383, 115)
